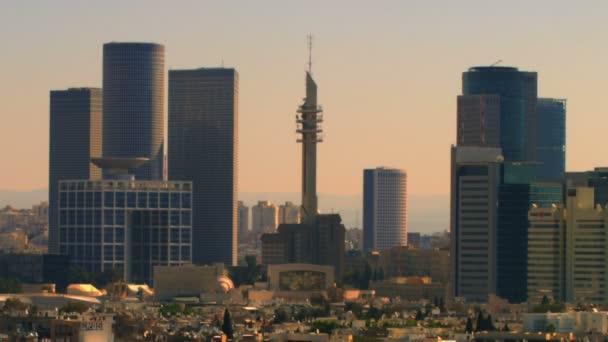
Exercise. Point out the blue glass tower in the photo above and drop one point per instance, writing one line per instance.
(551, 139)
(517, 91)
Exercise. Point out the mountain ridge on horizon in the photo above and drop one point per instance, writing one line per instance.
(426, 213)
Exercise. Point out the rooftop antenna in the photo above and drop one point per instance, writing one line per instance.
(496, 63)
(309, 53)
(222, 62)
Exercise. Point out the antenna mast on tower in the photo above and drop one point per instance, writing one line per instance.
(309, 36)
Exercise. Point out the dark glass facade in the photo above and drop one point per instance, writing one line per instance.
(368, 210)
(203, 148)
(75, 137)
(551, 139)
(517, 193)
(133, 97)
(517, 91)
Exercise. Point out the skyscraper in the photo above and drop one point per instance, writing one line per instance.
(384, 208)
(551, 139)
(203, 148)
(516, 92)
(243, 219)
(133, 97)
(489, 222)
(75, 137)
(478, 120)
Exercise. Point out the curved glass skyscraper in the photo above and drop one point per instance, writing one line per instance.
(133, 98)
(517, 92)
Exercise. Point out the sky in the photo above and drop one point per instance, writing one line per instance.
(388, 74)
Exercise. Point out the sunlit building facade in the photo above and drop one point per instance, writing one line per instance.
(125, 225)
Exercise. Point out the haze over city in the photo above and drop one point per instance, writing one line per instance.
(388, 74)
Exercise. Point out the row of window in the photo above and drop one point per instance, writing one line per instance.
(93, 217)
(125, 199)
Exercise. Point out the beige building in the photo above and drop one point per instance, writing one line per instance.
(568, 249)
(264, 217)
(586, 248)
(189, 281)
(406, 261)
(546, 253)
(289, 213)
(409, 288)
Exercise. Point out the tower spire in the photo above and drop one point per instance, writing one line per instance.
(308, 120)
(309, 37)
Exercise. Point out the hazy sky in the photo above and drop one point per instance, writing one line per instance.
(388, 75)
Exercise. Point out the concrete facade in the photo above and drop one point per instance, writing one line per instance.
(264, 217)
(186, 281)
(384, 208)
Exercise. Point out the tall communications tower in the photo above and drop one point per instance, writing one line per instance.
(308, 120)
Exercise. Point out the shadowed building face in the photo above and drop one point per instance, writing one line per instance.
(203, 118)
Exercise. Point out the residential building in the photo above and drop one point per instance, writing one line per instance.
(414, 239)
(289, 213)
(264, 217)
(243, 218)
(133, 105)
(384, 208)
(75, 137)
(203, 148)
(551, 139)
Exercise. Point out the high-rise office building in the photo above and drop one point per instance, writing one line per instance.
(478, 120)
(133, 97)
(75, 137)
(126, 225)
(516, 93)
(203, 148)
(384, 208)
(289, 213)
(551, 139)
(489, 222)
(243, 218)
(264, 217)
(596, 179)
(586, 248)
(546, 254)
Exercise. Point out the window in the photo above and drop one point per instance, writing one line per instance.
(164, 200)
(131, 199)
(108, 199)
(120, 200)
(186, 218)
(175, 200)
(108, 235)
(175, 218)
(142, 199)
(186, 200)
(153, 197)
(119, 235)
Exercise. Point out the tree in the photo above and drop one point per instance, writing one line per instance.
(326, 327)
(228, 326)
(506, 328)
(78, 275)
(419, 315)
(550, 328)
(469, 327)
(489, 324)
(481, 322)
(545, 300)
(14, 304)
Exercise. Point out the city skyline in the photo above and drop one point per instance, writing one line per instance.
(401, 107)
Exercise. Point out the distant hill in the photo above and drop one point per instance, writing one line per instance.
(425, 213)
